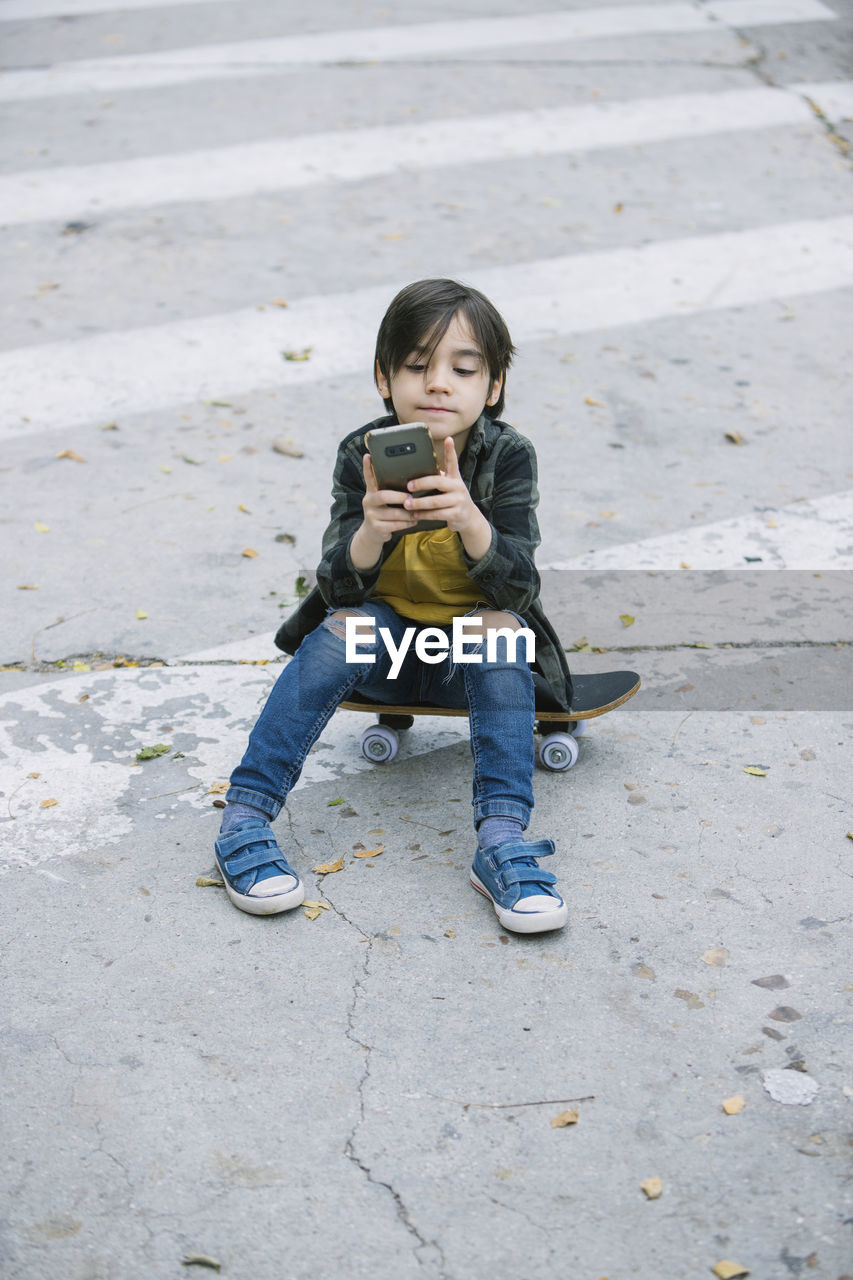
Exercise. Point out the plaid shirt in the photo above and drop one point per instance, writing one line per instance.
(498, 466)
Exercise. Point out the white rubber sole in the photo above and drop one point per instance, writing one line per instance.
(524, 921)
(269, 904)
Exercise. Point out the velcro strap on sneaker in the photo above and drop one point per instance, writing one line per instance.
(521, 849)
(264, 854)
(234, 841)
(527, 875)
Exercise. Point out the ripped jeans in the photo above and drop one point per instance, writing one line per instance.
(498, 695)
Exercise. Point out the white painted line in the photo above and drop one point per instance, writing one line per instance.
(135, 370)
(59, 384)
(210, 710)
(816, 535)
(352, 155)
(31, 10)
(388, 44)
(834, 98)
(27, 10)
(758, 13)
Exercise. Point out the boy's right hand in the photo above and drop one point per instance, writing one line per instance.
(384, 513)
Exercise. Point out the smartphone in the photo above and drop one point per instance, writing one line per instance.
(402, 453)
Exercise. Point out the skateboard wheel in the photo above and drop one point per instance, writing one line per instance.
(379, 744)
(558, 752)
(577, 728)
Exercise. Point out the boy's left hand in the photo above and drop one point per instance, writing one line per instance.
(453, 504)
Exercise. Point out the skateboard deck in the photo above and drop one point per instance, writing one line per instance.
(594, 695)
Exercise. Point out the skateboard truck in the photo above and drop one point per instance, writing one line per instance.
(594, 696)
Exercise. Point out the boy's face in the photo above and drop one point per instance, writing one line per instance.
(450, 393)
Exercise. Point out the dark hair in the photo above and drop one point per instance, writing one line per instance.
(420, 315)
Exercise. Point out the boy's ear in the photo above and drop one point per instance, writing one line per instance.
(497, 388)
(382, 383)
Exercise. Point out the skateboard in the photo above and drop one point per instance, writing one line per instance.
(593, 696)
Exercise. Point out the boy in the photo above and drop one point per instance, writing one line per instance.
(442, 354)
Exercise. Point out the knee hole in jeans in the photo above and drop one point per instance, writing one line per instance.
(336, 622)
(493, 619)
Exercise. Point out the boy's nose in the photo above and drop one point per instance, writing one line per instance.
(436, 378)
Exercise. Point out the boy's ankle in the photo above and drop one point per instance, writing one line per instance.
(236, 812)
(498, 830)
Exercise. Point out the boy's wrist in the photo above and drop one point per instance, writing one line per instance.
(477, 538)
(364, 551)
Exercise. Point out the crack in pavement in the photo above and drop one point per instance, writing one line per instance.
(119, 663)
(403, 1213)
(759, 63)
(359, 992)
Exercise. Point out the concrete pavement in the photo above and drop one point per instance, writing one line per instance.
(366, 1092)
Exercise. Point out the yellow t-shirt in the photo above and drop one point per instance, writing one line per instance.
(425, 578)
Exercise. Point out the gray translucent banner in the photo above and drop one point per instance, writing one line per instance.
(742, 640)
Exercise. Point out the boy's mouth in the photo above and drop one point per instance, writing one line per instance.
(434, 408)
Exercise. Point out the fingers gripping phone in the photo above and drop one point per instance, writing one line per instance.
(402, 453)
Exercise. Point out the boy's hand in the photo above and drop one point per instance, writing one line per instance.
(453, 504)
(383, 509)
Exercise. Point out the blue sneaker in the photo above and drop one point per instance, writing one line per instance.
(523, 896)
(257, 876)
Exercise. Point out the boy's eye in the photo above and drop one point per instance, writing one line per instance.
(414, 366)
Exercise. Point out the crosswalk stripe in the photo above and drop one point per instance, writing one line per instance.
(352, 155)
(391, 43)
(58, 384)
(833, 98)
(30, 10)
(814, 534)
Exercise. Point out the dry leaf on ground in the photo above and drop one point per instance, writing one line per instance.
(727, 1270)
(627, 619)
(250, 553)
(717, 956)
(69, 453)
(313, 910)
(652, 1188)
(284, 445)
(368, 853)
(217, 788)
(564, 1119)
(208, 882)
(755, 771)
(732, 1106)
(48, 804)
(328, 868)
